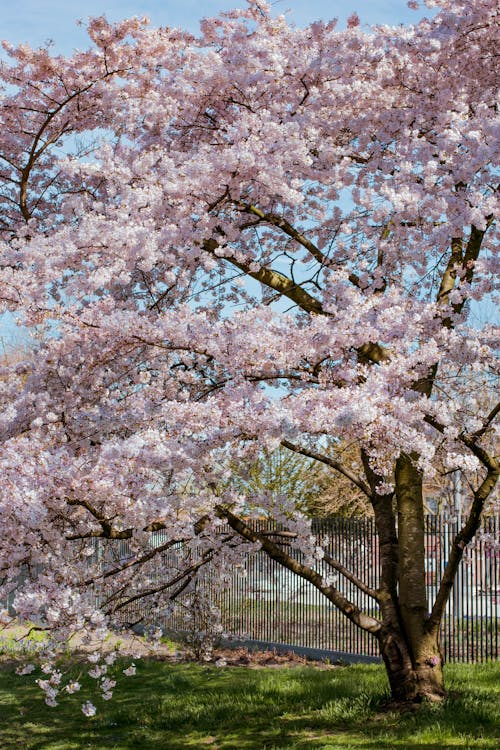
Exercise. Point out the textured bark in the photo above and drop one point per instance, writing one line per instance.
(412, 679)
(385, 523)
(411, 552)
(411, 655)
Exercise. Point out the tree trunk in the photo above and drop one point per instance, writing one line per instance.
(410, 651)
(411, 552)
(413, 679)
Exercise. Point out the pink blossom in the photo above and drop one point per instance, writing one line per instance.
(72, 687)
(25, 669)
(88, 709)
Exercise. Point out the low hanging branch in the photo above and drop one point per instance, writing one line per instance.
(184, 578)
(471, 526)
(350, 610)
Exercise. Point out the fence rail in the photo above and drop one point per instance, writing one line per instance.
(266, 602)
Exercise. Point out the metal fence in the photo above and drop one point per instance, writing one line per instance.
(266, 602)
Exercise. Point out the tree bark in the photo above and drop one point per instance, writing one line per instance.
(411, 551)
(412, 655)
(412, 679)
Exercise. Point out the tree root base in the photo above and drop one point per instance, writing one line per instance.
(408, 705)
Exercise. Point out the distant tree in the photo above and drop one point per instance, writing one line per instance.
(337, 495)
(281, 475)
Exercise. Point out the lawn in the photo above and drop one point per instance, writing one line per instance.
(176, 706)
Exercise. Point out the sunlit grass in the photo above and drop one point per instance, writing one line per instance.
(174, 706)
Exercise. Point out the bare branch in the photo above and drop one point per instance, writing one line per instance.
(360, 484)
(346, 573)
(273, 279)
(462, 539)
(284, 537)
(370, 351)
(187, 573)
(489, 419)
(136, 561)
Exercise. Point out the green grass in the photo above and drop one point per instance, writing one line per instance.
(172, 707)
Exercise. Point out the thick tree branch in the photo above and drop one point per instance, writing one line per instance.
(285, 226)
(107, 531)
(385, 522)
(273, 279)
(487, 422)
(462, 539)
(461, 260)
(470, 441)
(368, 352)
(450, 273)
(282, 537)
(350, 610)
(346, 573)
(469, 530)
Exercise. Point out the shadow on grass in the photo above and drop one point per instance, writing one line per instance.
(169, 707)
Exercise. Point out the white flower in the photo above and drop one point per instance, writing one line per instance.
(97, 672)
(88, 709)
(331, 580)
(72, 687)
(27, 669)
(107, 684)
(130, 670)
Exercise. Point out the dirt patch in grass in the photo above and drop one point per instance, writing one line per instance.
(244, 657)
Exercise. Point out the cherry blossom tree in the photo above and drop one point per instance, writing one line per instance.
(260, 236)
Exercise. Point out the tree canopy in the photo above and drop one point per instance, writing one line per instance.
(259, 236)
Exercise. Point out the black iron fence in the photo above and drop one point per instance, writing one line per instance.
(266, 602)
(263, 601)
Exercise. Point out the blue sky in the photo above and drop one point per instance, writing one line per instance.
(35, 21)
